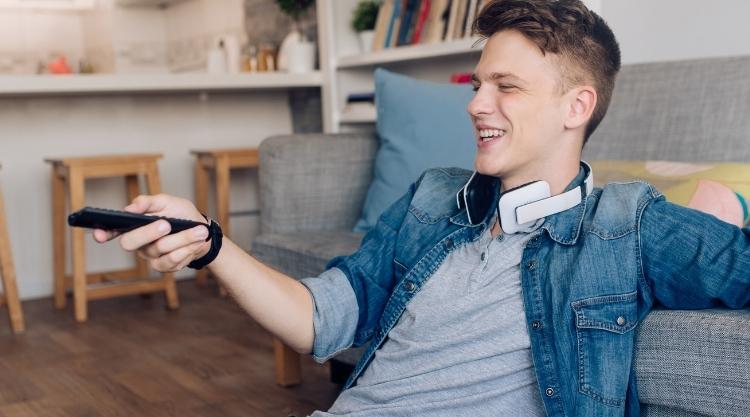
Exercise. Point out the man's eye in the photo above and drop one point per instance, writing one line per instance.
(506, 87)
(475, 87)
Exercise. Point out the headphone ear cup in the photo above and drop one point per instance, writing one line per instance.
(478, 196)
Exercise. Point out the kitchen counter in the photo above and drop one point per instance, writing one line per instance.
(20, 85)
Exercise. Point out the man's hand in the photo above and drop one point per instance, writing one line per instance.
(165, 252)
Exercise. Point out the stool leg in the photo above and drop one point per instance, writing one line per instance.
(78, 246)
(222, 200)
(288, 366)
(58, 236)
(7, 271)
(170, 289)
(134, 190)
(201, 203)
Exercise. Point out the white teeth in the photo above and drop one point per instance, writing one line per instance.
(490, 133)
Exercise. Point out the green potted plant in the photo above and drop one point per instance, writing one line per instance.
(363, 22)
(296, 53)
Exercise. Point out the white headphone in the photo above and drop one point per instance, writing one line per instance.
(519, 208)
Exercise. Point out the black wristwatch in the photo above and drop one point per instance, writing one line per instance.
(216, 237)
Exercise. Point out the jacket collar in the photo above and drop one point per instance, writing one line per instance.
(564, 227)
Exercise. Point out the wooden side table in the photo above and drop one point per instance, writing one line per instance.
(221, 161)
(8, 275)
(69, 176)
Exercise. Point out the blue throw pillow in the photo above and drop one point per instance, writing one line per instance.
(420, 125)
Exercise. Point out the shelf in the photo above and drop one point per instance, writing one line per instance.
(358, 117)
(410, 53)
(14, 85)
(148, 3)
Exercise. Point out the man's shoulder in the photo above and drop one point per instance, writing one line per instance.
(615, 208)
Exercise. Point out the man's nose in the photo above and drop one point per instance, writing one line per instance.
(481, 104)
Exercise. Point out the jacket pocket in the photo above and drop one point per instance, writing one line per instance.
(604, 329)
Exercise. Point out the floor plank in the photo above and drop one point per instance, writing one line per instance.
(136, 358)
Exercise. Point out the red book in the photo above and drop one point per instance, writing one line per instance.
(423, 13)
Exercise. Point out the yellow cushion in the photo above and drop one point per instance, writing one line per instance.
(721, 189)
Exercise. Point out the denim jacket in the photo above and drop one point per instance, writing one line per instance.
(589, 275)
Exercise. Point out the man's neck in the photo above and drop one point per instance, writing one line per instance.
(558, 179)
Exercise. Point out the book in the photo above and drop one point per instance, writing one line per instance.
(435, 27)
(393, 23)
(407, 22)
(381, 25)
(458, 30)
(364, 97)
(398, 22)
(452, 16)
(470, 16)
(424, 13)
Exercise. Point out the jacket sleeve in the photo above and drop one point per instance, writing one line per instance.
(350, 296)
(693, 260)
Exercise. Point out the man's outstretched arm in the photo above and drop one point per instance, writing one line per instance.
(279, 303)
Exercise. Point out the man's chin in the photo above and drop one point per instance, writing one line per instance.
(485, 168)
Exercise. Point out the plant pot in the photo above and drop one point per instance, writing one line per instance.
(365, 40)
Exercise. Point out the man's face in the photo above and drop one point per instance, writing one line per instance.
(518, 111)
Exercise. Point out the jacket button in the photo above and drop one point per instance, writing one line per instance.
(536, 325)
(621, 321)
(531, 265)
(410, 286)
(549, 392)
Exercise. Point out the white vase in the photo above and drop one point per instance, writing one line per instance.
(365, 40)
(296, 54)
(301, 57)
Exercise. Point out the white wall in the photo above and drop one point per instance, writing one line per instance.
(666, 30)
(38, 128)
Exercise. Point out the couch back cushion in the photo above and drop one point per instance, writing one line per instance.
(420, 125)
(689, 111)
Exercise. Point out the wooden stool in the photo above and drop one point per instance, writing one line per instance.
(221, 161)
(8, 274)
(287, 361)
(73, 173)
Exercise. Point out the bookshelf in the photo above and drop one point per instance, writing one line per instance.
(345, 69)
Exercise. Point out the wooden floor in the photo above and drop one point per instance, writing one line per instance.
(135, 358)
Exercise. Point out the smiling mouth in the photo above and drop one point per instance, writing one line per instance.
(486, 135)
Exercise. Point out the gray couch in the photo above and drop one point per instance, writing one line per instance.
(688, 363)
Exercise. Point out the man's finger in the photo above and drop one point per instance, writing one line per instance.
(103, 236)
(148, 204)
(177, 259)
(173, 242)
(144, 235)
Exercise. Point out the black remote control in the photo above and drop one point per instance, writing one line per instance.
(122, 221)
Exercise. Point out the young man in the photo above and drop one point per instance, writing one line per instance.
(515, 292)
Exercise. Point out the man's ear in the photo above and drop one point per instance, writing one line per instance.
(581, 103)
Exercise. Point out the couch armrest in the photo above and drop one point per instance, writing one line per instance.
(314, 182)
(695, 362)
